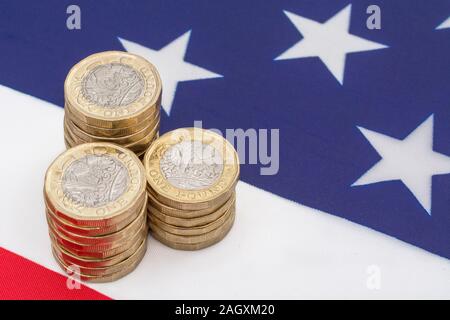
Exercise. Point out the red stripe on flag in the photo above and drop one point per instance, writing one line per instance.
(23, 279)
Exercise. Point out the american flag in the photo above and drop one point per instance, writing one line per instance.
(358, 206)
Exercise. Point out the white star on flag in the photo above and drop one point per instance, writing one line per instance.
(444, 25)
(171, 66)
(330, 41)
(411, 160)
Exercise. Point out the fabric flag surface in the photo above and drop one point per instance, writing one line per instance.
(353, 99)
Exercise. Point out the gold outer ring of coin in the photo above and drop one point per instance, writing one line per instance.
(99, 116)
(192, 247)
(126, 232)
(101, 253)
(105, 215)
(105, 132)
(90, 231)
(191, 199)
(72, 245)
(119, 140)
(195, 231)
(107, 278)
(72, 259)
(161, 207)
(103, 271)
(193, 239)
(191, 222)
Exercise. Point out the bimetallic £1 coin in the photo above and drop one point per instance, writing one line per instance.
(112, 89)
(95, 184)
(191, 169)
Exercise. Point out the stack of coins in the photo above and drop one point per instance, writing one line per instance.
(191, 176)
(96, 208)
(112, 97)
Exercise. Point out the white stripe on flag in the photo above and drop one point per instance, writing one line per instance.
(276, 249)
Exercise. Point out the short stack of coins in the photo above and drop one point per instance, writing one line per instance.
(191, 175)
(96, 209)
(114, 97)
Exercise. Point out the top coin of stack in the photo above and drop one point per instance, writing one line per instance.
(115, 97)
(96, 209)
(191, 176)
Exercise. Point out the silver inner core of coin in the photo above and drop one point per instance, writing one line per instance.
(191, 165)
(113, 85)
(95, 180)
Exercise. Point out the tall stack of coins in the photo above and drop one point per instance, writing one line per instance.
(112, 97)
(191, 176)
(96, 208)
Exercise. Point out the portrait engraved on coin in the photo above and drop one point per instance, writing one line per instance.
(95, 180)
(191, 165)
(113, 85)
